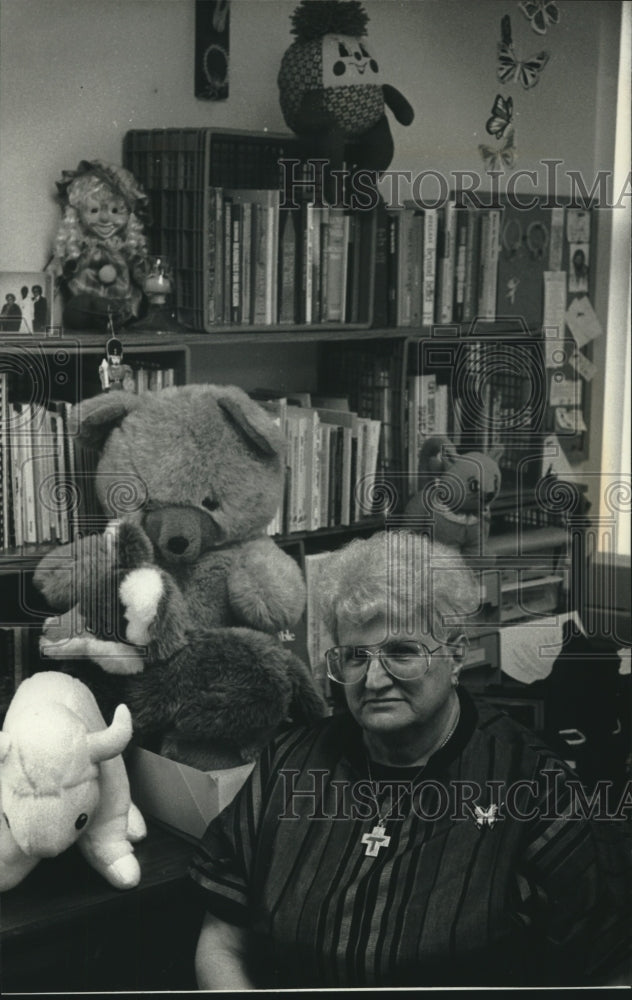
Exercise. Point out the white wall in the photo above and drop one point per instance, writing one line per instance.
(75, 75)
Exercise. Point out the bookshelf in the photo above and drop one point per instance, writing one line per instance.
(426, 300)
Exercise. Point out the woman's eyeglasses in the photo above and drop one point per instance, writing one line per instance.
(402, 659)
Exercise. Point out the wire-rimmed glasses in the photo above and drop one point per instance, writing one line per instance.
(402, 659)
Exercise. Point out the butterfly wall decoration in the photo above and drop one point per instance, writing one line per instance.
(540, 13)
(500, 157)
(501, 116)
(511, 69)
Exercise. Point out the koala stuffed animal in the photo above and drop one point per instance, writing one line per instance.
(455, 495)
(200, 468)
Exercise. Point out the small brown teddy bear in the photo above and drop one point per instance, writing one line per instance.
(200, 468)
(209, 697)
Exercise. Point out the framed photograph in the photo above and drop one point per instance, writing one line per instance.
(26, 300)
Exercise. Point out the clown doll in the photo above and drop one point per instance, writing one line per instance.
(100, 251)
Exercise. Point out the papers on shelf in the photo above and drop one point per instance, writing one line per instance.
(528, 650)
(582, 321)
(554, 460)
(583, 365)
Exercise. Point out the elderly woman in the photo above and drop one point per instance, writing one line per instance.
(415, 838)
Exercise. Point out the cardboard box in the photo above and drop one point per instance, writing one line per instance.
(180, 796)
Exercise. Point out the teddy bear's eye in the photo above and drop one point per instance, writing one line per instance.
(81, 821)
(210, 503)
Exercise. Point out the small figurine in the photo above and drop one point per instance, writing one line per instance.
(112, 372)
(100, 253)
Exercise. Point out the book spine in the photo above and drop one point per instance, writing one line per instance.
(392, 270)
(288, 268)
(28, 478)
(490, 233)
(245, 263)
(307, 264)
(417, 250)
(404, 268)
(335, 267)
(316, 275)
(430, 265)
(236, 213)
(272, 259)
(214, 247)
(470, 289)
(324, 268)
(458, 312)
(302, 475)
(325, 459)
(347, 276)
(446, 263)
(315, 493)
(335, 478)
(380, 269)
(227, 281)
(259, 265)
(5, 461)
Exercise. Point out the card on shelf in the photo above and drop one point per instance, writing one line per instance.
(564, 391)
(582, 321)
(583, 365)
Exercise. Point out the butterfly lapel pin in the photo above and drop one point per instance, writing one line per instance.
(501, 116)
(485, 817)
(540, 13)
(500, 157)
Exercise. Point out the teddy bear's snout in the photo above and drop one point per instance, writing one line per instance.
(178, 545)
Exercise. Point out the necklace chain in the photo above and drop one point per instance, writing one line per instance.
(383, 819)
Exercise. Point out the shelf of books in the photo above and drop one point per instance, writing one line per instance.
(244, 254)
(46, 477)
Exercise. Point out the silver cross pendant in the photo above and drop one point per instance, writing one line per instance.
(374, 840)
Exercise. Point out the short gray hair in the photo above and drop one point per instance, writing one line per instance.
(422, 586)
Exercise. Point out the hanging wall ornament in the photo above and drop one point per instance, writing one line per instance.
(501, 116)
(212, 20)
(512, 69)
(500, 157)
(499, 126)
(540, 13)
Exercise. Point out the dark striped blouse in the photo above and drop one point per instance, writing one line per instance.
(514, 893)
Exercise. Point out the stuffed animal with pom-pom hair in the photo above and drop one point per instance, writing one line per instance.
(63, 781)
(331, 90)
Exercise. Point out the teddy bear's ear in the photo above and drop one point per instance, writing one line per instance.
(253, 422)
(94, 418)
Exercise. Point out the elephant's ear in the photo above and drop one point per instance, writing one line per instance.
(252, 421)
(94, 419)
